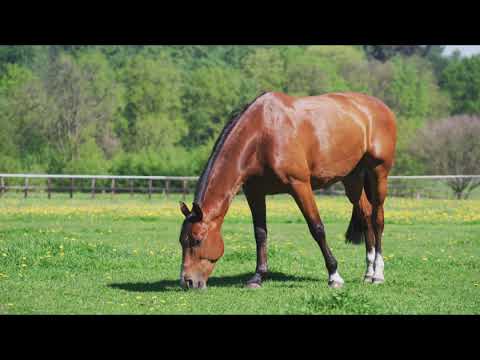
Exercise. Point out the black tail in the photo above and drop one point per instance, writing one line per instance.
(357, 229)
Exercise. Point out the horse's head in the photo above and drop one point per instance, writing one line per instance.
(202, 246)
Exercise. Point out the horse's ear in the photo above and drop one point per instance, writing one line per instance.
(197, 211)
(184, 209)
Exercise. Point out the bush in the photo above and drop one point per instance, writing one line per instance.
(451, 147)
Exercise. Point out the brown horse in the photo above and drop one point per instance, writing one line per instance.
(294, 145)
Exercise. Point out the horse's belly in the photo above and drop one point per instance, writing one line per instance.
(328, 166)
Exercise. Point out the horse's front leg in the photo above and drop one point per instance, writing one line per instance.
(303, 194)
(256, 202)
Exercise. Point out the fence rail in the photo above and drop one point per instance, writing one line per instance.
(415, 186)
(94, 188)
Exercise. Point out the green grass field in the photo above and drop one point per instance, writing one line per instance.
(122, 256)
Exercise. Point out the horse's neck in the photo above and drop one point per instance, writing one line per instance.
(225, 180)
(222, 187)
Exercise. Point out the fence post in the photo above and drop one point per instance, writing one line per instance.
(71, 188)
(167, 188)
(26, 188)
(2, 186)
(49, 187)
(113, 186)
(150, 185)
(184, 189)
(130, 182)
(93, 188)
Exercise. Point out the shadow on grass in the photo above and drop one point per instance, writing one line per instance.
(238, 280)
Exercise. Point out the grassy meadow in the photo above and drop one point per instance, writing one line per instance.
(121, 255)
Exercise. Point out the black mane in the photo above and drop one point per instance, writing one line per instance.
(203, 181)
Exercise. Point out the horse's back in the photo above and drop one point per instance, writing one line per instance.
(326, 136)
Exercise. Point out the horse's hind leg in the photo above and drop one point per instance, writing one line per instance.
(303, 194)
(256, 202)
(376, 190)
(361, 226)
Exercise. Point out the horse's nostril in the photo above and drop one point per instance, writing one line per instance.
(189, 283)
(200, 284)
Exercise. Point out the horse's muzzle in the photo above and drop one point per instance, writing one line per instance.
(188, 283)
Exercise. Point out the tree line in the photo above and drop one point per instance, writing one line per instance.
(149, 110)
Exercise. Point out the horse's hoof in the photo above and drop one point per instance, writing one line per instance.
(335, 284)
(378, 281)
(368, 279)
(253, 285)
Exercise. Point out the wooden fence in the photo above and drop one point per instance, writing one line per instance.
(71, 186)
(149, 185)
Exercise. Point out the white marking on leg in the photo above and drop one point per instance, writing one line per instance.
(378, 265)
(370, 263)
(335, 277)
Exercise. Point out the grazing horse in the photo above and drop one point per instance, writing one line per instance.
(294, 145)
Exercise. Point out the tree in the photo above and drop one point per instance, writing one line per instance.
(437, 59)
(347, 62)
(451, 147)
(14, 54)
(158, 131)
(153, 103)
(24, 107)
(414, 96)
(312, 74)
(211, 96)
(84, 99)
(386, 52)
(266, 67)
(167, 104)
(377, 77)
(413, 91)
(461, 78)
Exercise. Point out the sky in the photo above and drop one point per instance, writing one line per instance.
(466, 50)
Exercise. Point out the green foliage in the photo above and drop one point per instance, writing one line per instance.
(313, 73)
(406, 161)
(20, 55)
(9, 164)
(265, 67)
(415, 97)
(212, 95)
(171, 160)
(125, 102)
(90, 160)
(386, 52)
(413, 92)
(152, 113)
(461, 78)
(22, 101)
